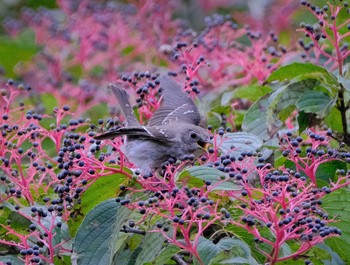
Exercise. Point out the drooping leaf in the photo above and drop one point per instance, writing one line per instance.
(315, 102)
(240, 253)
(199, 174)
(18, 221)
(282, 102)
(165, 255)
(345, 81)
(285, 250)
(339, 246)
(333, 120)
(296, 69)
(63, 260)
(126, 256)
(335, 259)
(143, 251)
(326, 171)
(232, 248)
(96, 237)
(102, 189)
(252, 93)
(11, 258)
(336, 205)
(61, 234)
(151, 246)
(254, 121)
(305, 120)
(238, 142)
(214, 117)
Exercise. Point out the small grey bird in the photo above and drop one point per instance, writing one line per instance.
(172, 132)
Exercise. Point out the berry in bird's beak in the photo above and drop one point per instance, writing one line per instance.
(203, 145)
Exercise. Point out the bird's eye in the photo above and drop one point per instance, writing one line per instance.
(193, 135)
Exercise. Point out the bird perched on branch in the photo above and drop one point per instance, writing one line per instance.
(172, 132)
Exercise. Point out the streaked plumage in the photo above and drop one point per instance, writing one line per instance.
(172, 131)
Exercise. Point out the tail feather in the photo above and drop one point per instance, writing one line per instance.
(108, 135)
(124, 104)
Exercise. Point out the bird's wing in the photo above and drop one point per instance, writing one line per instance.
(124, 104)
(177, 106)
(159, 134)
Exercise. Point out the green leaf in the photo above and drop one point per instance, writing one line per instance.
(241, 142)
(97, 71)
(165, 255)
(134, 241)
(336, 205)
(288, 95)
(41, 4)
(285, 250)
(142, 251)
(63, 260)
(61, 234)
(254, 121)
(326, 171)
(336, 260)
(49, 101)
(49, 146)
(214, 119)
(127, 50)
(102, 189)
(251, 92)
(296, 69)
(126, 256)
(345, 81)
(303, 120)
(76, 72)
(315, 102)
(151, 246)
(11, 258)
(240, 253)
(333, 120)
(339, 246)
(98, 111)
(96, 238)
(282, 102)
(239, 116)
(13, 51)
(239, 232)
(226, 251)
(214, 116)
(199, 174)
(18, 221)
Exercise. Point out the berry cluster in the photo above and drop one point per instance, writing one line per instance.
(280, 200)
(330, 32)
(217, 52)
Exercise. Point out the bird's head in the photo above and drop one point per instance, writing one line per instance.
(195, 137)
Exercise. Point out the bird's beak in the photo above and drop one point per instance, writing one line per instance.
(203, 145)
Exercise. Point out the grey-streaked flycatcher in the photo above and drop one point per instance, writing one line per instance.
(172, 132)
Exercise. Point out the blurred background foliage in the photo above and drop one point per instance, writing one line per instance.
(21, 48)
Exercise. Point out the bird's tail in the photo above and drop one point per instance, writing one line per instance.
(124, 104)
(108, 135)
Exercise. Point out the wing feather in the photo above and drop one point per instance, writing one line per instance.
(176, 105)
(151, 133)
